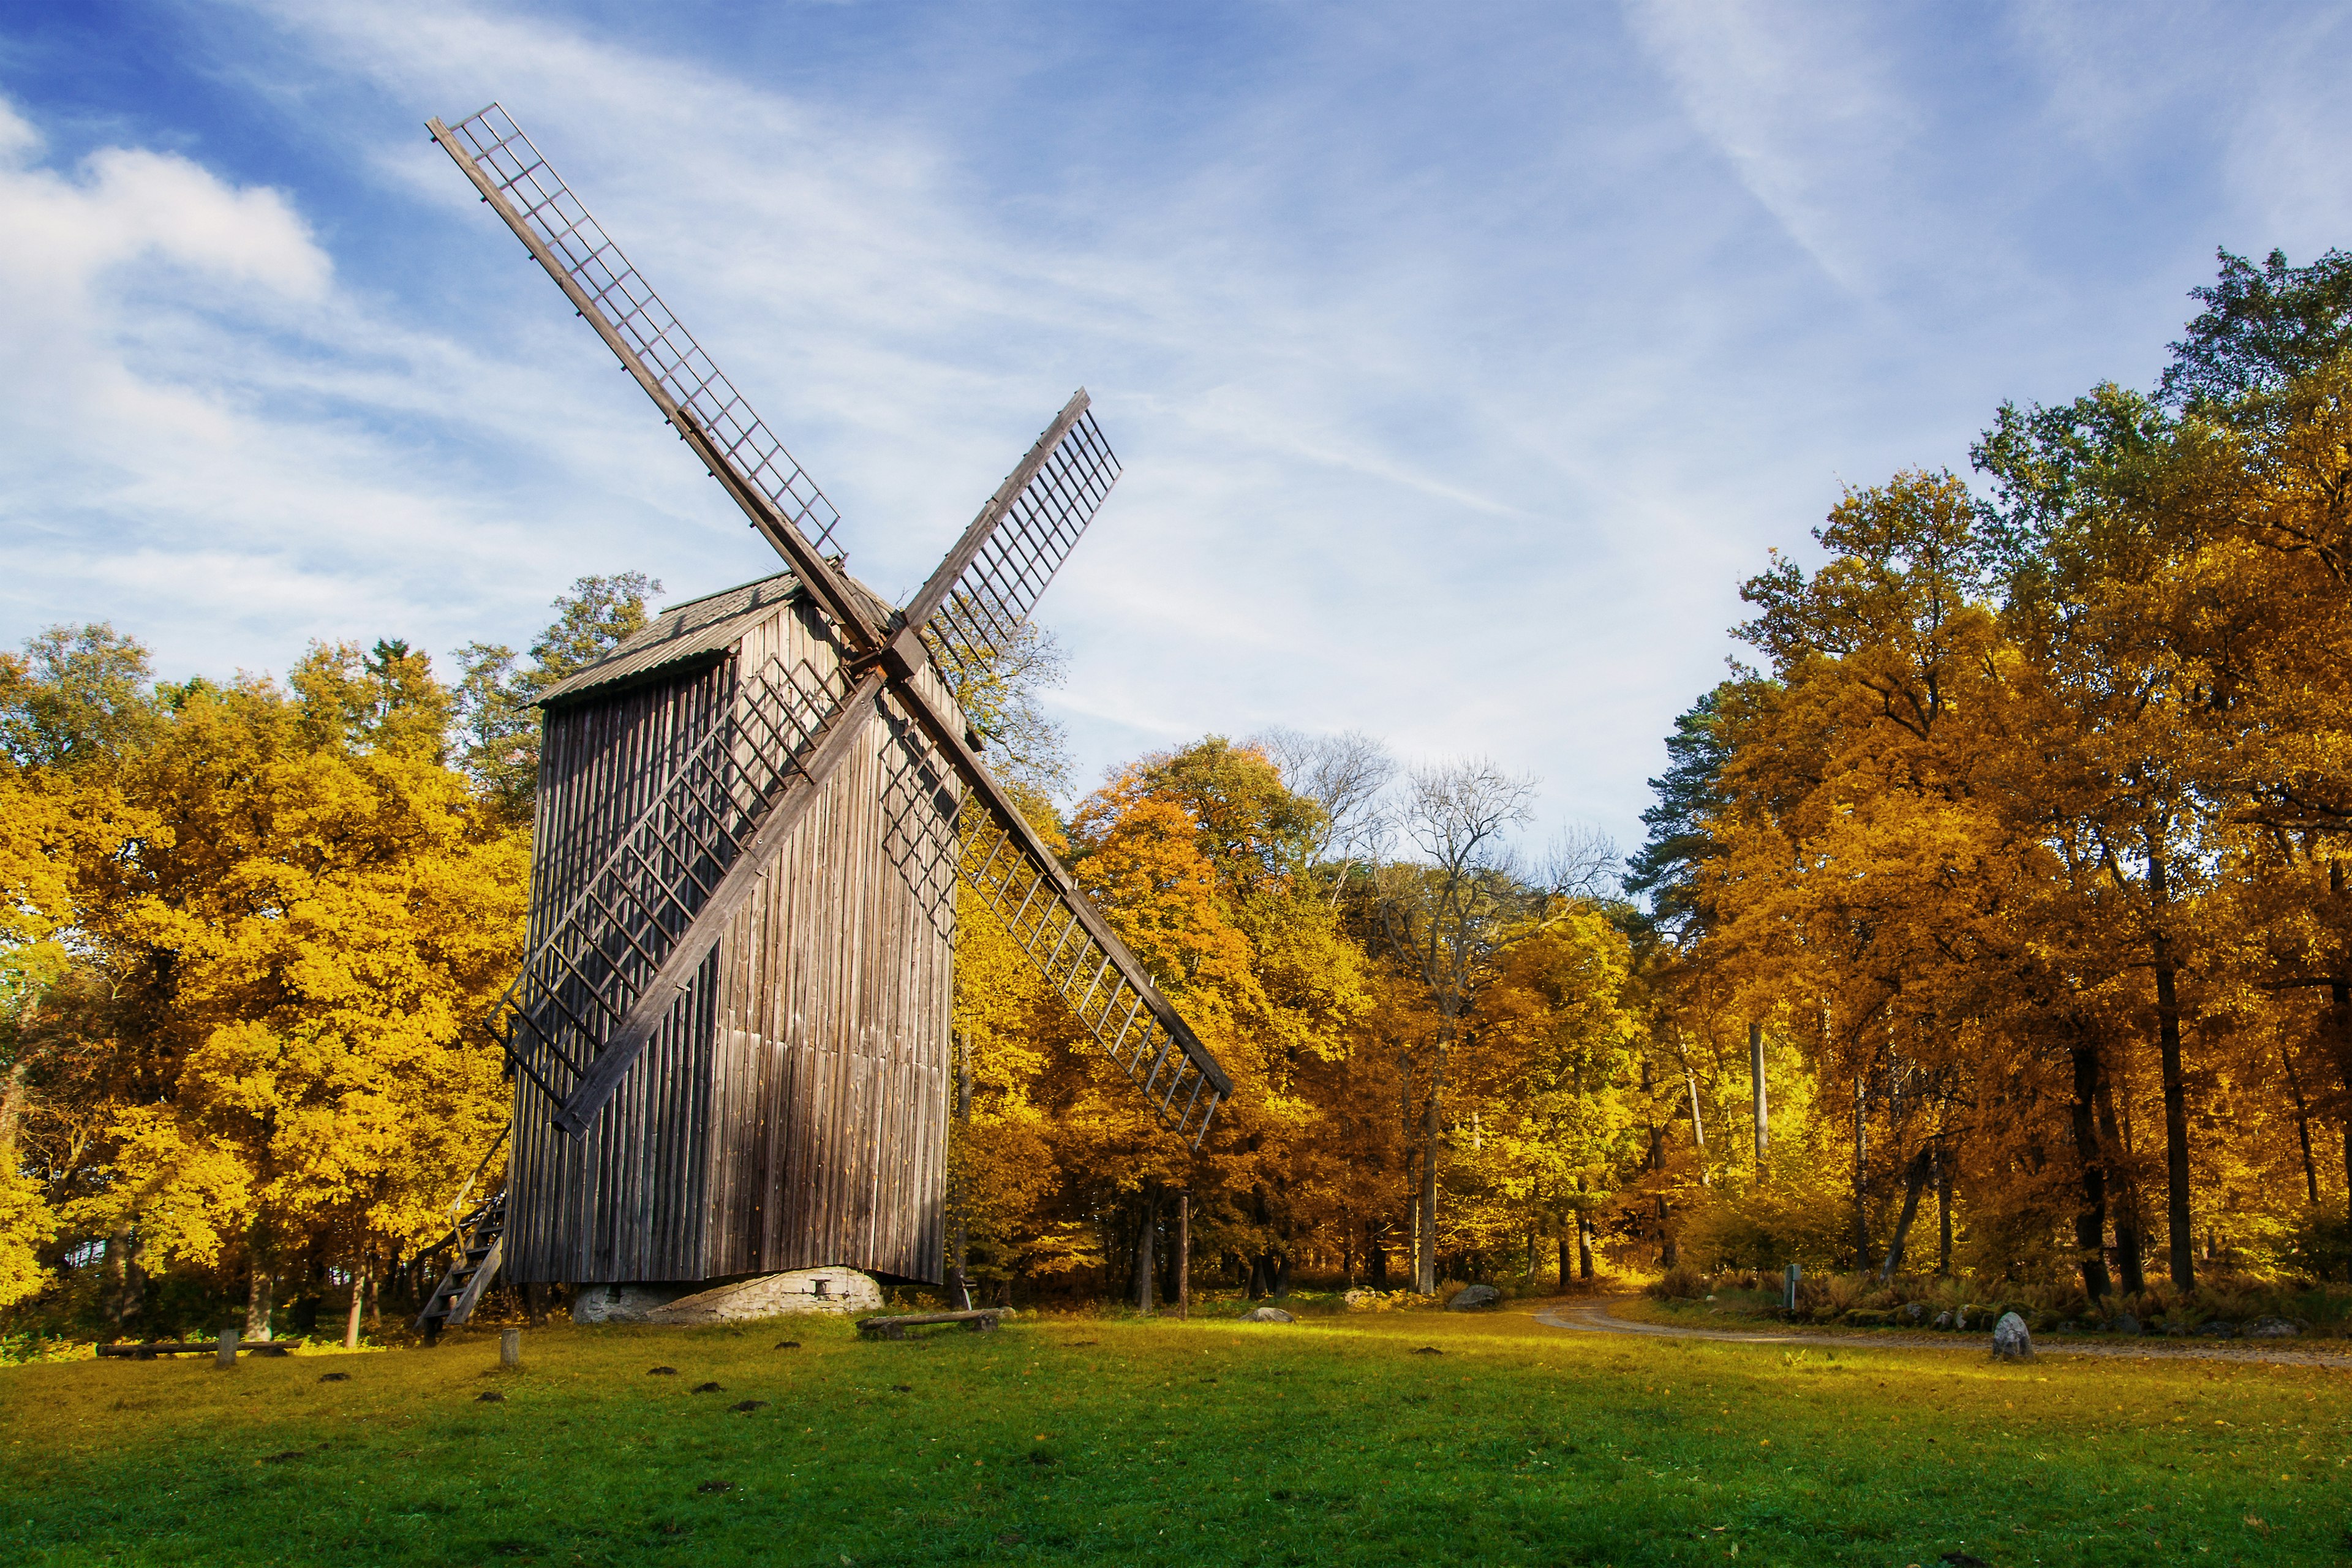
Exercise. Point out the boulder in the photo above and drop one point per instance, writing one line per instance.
(2010, 1339)
(1267, 1315)
(1915, 1311)
(801, 1291)
(1943, 1320)
(1362, 1302)
(2123, 1323)
(2216, 1329)
(2270, 1329)
(1470, 1297)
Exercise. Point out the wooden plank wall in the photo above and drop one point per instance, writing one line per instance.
(792, 1110)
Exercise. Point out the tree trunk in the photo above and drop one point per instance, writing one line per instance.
(1376, 1255)
(1424, 1267)
(2129, 1260)
(1698, 1129)
(1915, 1182)
(1861, 1176)
(261, 1288)
(2302, 1127)
(1143, 1265)
(1583, 1244)
(1756, 1084)
(1943, 1212)
(2090, 1159)
(359, 1303)
(1665, 1236)
(1183, 1257)
(2179, 1228)
(1566, 1262)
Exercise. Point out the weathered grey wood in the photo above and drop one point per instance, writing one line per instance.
(789, 1110)
(226, 1350)
(694, 944)
(980, 1321)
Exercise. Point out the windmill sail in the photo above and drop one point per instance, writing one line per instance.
(782, 502)
(974, 605)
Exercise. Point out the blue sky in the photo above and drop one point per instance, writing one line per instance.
(1463, 360)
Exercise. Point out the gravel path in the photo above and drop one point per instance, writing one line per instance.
(1600, 1317)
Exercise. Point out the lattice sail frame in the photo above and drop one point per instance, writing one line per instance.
(983, 611)
(596, 957)
(1164, 1062)
(628, 302)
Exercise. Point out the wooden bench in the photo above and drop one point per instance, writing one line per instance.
(205, 1347)
(979, 1321)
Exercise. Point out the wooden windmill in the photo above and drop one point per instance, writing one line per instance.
(729, 1038)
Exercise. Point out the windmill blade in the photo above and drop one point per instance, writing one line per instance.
(599, 982)
(975, 603)
(774, 492)
(1065, 939)
(1070, 944)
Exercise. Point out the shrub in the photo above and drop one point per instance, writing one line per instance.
(1680, 1283)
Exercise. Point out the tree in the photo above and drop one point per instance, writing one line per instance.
(499, 732)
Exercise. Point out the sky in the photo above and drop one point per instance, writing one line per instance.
(1463, 360)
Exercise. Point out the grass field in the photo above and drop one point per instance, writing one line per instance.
(1086, 1440)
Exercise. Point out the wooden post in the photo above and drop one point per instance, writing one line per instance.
(510, 1349)
(1788, 1287)
(227, 1351)
(1183, 1257)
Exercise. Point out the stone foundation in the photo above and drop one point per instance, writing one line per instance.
(799, 1291)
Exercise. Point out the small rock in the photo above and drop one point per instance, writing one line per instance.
(1267, 1315)
(716, 1487)
(1916, 1312)
(789, 1345)
(1960, 1320)
(2011, 1340)
(708, 1388)
(1472, 1297)
(661, 1372)
(1429, 1350)
(334, 1378)
(1361, 1301)
(1943, 1320)
(1965, 1559)
(747, 1405)
(2216, 1329)
(2123, 1323)
(492, 1397)
(2178, 1331)
(2271, 1328)
(902, 1388)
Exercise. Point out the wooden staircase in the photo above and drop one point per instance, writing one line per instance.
(475, 1236)
(474, 1265)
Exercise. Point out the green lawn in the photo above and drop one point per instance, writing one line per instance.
(1085, 1440)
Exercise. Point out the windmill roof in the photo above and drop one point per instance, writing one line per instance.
(693, 629)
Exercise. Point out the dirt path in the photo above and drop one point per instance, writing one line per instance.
(1600, 1317)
